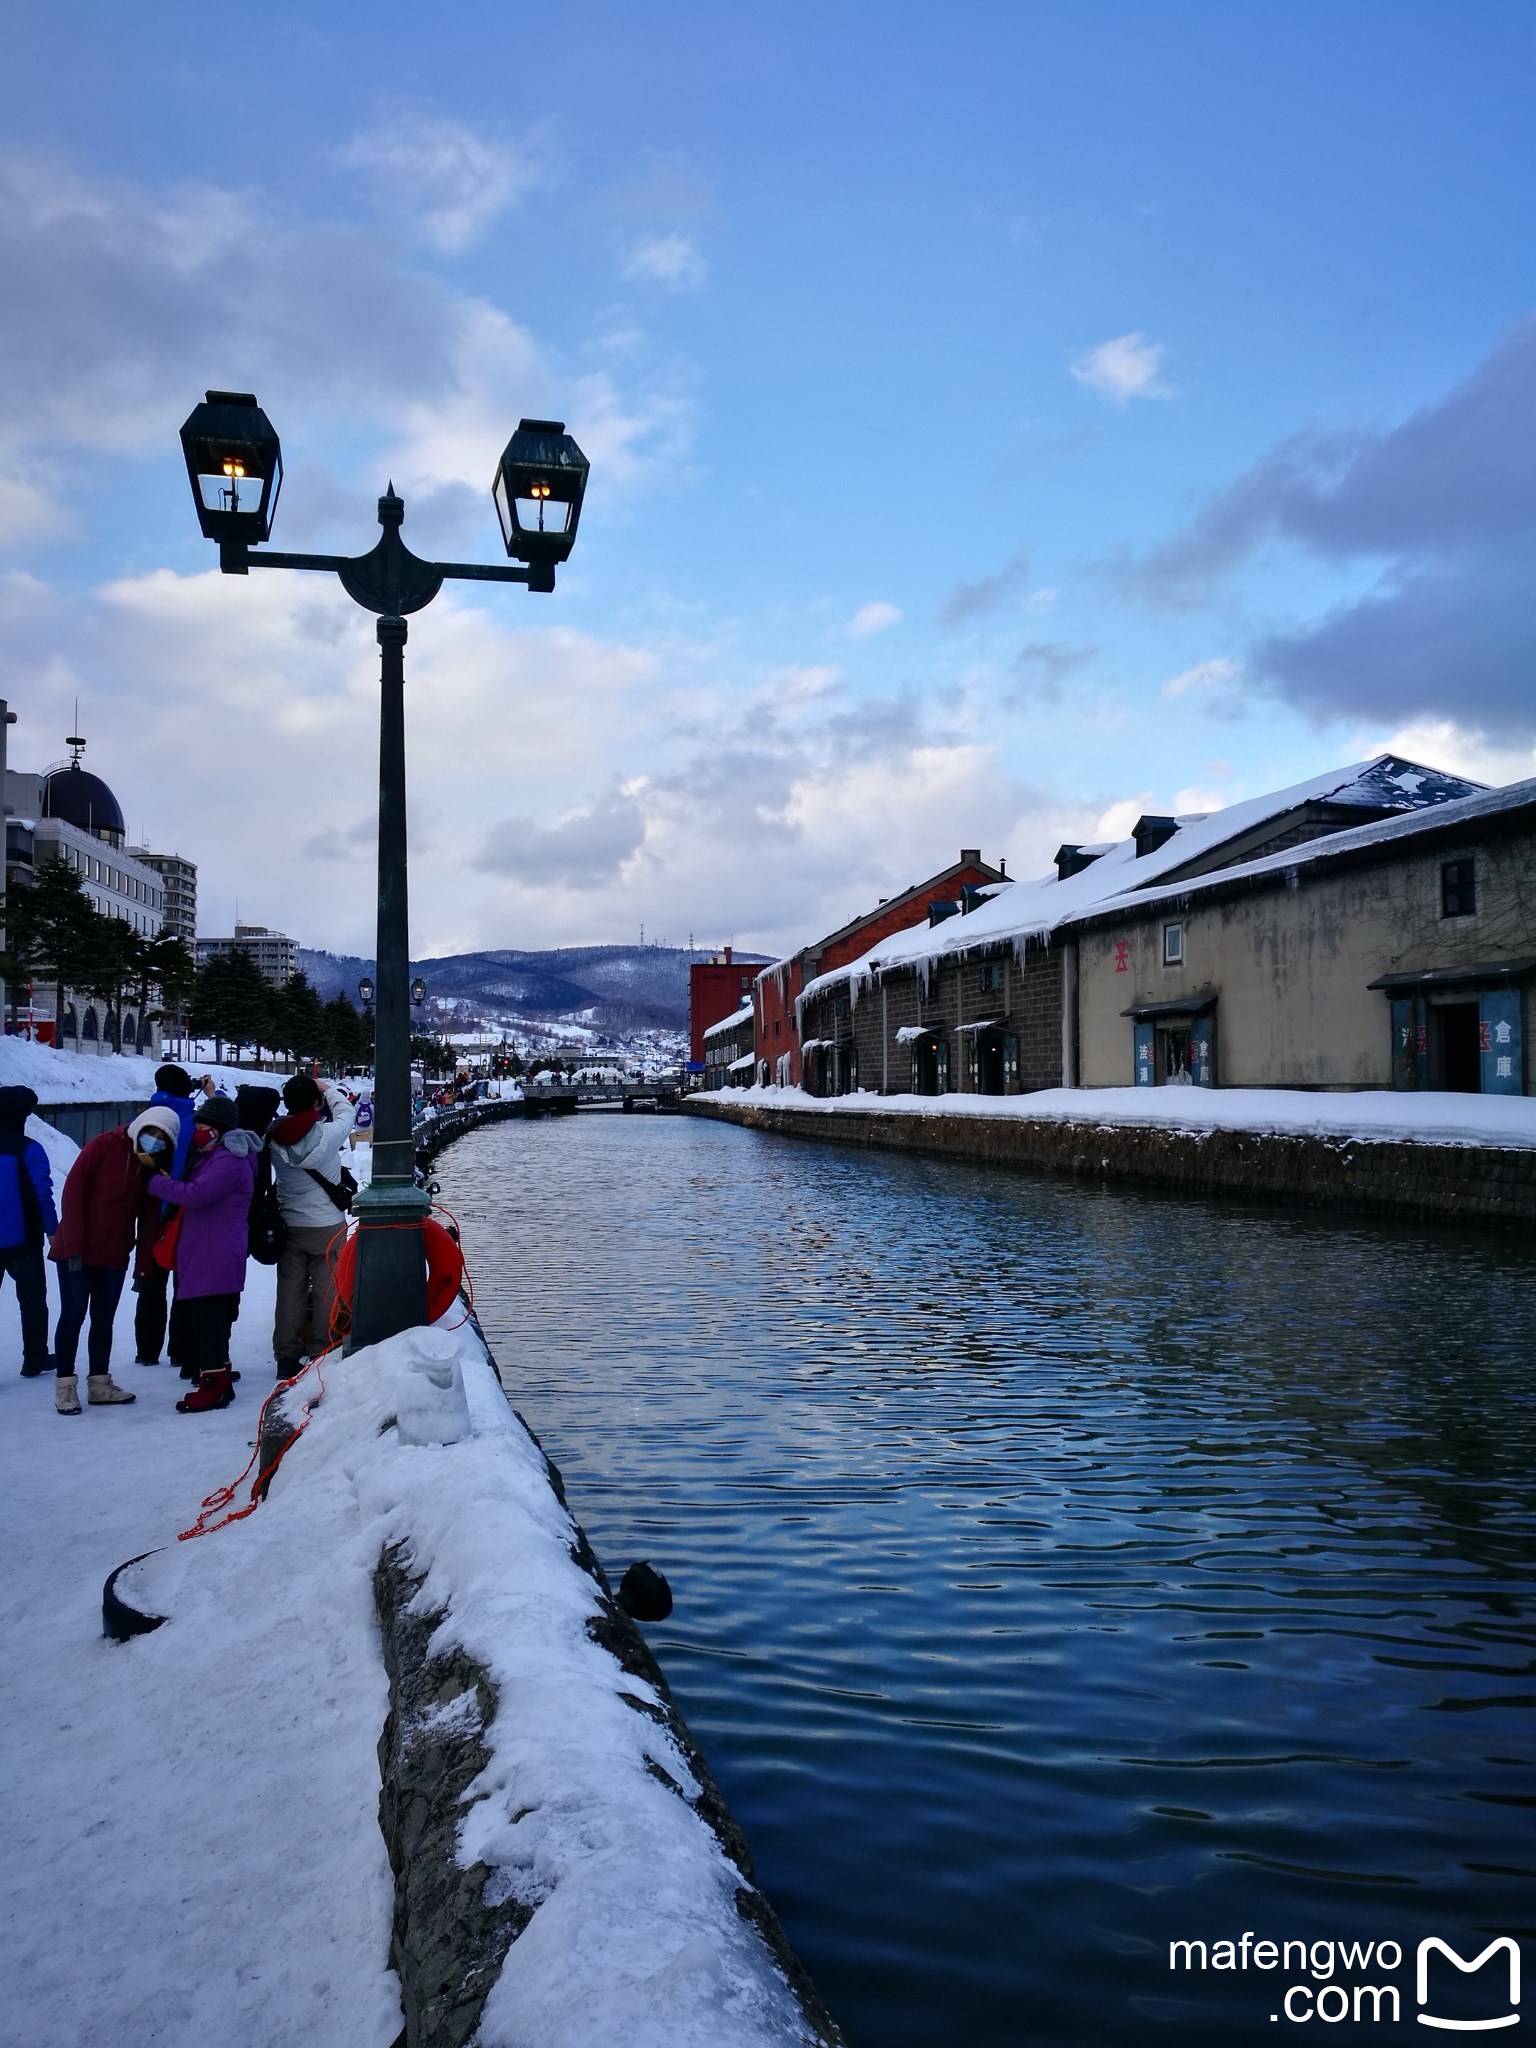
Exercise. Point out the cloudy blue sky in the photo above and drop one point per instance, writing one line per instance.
(1003, 419)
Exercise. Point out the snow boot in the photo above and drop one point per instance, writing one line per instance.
(66, 1393)
(102, 1391)
(213, 1390)
(36, 1369)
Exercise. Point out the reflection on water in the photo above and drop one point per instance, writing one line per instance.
(1059, 1572)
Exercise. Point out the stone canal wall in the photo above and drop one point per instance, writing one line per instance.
(1420, 1182)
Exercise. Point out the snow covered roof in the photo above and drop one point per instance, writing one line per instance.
(1033, 909)
(747, 1059)
(1384, 832)
(732, 1023)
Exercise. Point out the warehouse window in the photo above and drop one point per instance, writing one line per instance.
(1173, 945)
(1458, 888)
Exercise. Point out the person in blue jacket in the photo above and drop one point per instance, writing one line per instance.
(27, 1217)
(173, 1090)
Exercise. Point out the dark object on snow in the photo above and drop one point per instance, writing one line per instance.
(644, 1594)
(118, 1619)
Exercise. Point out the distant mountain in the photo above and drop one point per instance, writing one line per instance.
(615, 988)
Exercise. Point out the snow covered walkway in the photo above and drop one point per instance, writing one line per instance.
(1379, 1115)
(192, 1848)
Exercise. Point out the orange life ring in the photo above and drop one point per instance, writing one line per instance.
(445, 1268)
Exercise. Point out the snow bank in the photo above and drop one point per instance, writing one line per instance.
(1384, 1117)
(57, 1076)
(194, 1849)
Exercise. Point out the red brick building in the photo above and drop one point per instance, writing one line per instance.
(778, 1041)
(716, 988)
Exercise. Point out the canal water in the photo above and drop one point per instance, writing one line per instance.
(1060, 1572)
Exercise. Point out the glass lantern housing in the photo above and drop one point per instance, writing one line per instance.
(538, 490)
(235, 466)
(365, 990)
(418, 991)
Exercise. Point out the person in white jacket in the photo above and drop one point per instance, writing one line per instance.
(306, 1145)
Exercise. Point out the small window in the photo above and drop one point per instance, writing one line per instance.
(778, 1026)
(1173, 945)
(1458, 888)
(991, 976)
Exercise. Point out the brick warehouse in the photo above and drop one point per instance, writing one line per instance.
(779, 986)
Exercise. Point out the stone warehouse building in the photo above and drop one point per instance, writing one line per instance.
(984, 997)
(1400, 955)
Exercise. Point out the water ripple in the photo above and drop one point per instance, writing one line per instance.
(993, 1505)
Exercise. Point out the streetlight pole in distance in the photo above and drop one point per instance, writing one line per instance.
(234, 466)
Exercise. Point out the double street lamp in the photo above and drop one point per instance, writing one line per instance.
(235, 468)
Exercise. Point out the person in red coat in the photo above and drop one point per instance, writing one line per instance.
(104, 1207)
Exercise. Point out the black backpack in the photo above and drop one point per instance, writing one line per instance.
(266, 1232)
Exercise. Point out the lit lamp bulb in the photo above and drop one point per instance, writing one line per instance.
(539, 492)
(234, 471)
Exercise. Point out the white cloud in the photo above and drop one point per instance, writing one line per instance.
(448, 183)
(1128, 367)
(1200, 802)
(1443, 744)
(673, 259)
(122, 304)
(873, 618)
(1117, 820)
(1205, 675)
(583, 850)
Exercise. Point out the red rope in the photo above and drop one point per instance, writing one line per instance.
(223, 1495)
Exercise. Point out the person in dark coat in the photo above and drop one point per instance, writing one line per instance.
(212, 1242)
(174, 1090)
(104, 1209)
(27, 1216)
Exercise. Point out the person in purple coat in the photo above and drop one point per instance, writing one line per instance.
(212, 1240)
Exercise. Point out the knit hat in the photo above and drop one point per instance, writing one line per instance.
(165, 1121)
(217, 1110)
(16, 1104)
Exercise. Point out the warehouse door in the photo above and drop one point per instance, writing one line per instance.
(1456, 1047)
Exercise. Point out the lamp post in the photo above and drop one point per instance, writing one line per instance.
(235, 469)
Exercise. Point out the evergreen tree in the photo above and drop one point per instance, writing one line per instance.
(110, 963)
(50, 927)
(248, 996)
(169, 967)
(210, 1009)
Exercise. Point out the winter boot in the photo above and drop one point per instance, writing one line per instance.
(36, 1367)
(66, 1393)
(213, 1390)
(102, 1391)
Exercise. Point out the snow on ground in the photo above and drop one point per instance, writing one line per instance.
(1379, 1116)
(192, 1847)
(57, 1076)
